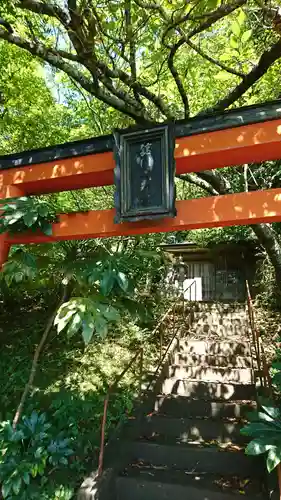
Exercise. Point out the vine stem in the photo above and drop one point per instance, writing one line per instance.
(36, 356)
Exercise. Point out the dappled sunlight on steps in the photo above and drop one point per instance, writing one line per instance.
(186, 442)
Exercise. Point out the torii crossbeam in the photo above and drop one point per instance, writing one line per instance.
(246, 135)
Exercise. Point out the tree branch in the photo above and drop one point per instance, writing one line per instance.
(214, 61)
(216, 15)
(53, 58)
(267, 59)
(218, 182)
(177, 78)
(51, 10)
(132, 48)
(197, 181)
(66, 55)
(151, 6)
(212, 17)
(178, 22)
(222, 11)
(118, 92)
(125, 78)
(91, 65)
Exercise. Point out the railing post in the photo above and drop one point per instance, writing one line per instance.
(174, 319)
(141, 370)
(161, 344)
(100, 466)
(279, 479)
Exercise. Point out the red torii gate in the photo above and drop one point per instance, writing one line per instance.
(245, 135)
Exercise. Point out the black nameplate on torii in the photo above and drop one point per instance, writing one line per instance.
(144, 173)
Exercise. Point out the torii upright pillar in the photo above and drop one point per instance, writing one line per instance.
(5, 244)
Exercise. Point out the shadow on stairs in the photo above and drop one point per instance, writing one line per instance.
(185, 441)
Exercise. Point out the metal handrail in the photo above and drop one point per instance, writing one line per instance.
(175, 331)
(139, 355)
(263, 368)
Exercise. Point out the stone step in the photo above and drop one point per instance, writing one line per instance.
(218, 332)
(213, 323)
(211, 374)
(232, 361)
(180, 406)
(208, 390)
(194, 458)
(145, 482)
(218, 318)
(184, 430)
(212, 347)
(219, 306)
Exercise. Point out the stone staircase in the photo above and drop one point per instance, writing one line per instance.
(188, 444)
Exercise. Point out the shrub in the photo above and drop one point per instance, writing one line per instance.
(28, 453)
(265, 429)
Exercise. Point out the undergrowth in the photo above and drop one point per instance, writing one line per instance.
(70, 387)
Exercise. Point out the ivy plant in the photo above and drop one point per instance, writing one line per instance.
(265, 429)
(26, 213)
(28, 453)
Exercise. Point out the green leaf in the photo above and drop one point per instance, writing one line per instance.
(88, 328)
(30, 218)
(74, 325)
(17, 485)
(101, 327)
(233, 42)
(94, 277)
(257, 447)
(107, 282)
(276, 365)
(6, 488)
(43, 209)
(272, 411)
(12, 219)
(26, 478)
(258, 416)
(122, 281)
(276, 379)
(273, 458)
(47, 228)
(111, 314)
(63, 321)
(258, 429)
(149, 254)
(18, 277)
(241, 18)
(235, 28)
(223, 76)
(246, 36)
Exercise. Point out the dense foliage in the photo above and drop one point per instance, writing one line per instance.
(28, 452)
(79, 68)
(26, 213)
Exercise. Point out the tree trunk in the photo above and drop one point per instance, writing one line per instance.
(38, 350)
(267, 238)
